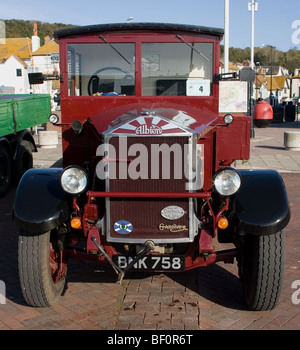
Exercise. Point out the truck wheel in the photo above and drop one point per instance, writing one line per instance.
(262, 266)
(42, 282)
(5, 171)
(24, 159)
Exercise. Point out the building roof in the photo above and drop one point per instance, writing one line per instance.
(47, 49)
(271, 70)
(260, 79)
(277, 82)
(15, 46)
(231, 65)
(17, 59)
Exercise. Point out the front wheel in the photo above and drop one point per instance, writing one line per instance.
(42, 271)
(261, 270)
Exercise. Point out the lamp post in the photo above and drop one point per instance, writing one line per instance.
(252, 6)
(226, 36)
(271, 87)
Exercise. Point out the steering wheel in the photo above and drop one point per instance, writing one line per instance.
(95, 77)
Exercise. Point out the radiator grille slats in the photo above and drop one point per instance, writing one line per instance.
(145, 214)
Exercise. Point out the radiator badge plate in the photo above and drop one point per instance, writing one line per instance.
(172, 212)
(150, 126)
(123, 227)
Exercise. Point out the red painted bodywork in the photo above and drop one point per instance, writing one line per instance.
(222, 144)
(102, 110)
(105, 109)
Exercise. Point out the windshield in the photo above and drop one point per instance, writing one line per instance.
(167, 69)
(97, 69)
(176, 69)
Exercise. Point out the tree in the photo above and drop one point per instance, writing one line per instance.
(16, 28)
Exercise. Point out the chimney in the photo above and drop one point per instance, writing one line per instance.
(34, 29)
(47, 39)
(35, 39)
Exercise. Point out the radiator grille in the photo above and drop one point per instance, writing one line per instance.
(145, 214)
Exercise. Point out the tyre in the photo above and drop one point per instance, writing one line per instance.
(24, 159)
(5, 171)
(261, 270)
(41, 279)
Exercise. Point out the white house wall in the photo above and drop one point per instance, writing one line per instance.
(296, 84)
(43, 64)
(8, 75)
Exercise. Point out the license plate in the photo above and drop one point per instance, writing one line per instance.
(152, 262)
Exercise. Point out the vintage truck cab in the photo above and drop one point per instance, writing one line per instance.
(147, 180)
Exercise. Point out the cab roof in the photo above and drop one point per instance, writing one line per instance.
(127, 27)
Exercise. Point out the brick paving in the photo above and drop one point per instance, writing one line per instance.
(208, 298)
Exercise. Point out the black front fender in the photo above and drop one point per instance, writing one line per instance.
(261, 204)
(40, 203)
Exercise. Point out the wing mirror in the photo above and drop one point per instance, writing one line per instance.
(39, 78)
(245, 74)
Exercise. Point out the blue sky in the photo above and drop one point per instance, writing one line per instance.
(273, 21)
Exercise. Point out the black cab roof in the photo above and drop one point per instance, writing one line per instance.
(124, 27)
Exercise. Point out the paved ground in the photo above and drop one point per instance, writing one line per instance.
(202, 299)
(268, 151)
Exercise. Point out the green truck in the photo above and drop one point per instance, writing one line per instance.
(18, 115)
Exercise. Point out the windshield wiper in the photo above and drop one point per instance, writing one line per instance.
(119, 53)
(198, 52)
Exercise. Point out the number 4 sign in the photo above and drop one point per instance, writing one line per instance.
(198, 87)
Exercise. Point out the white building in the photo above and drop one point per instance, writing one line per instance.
(14, 75)
(273, 80)
(44, 60)
(295, 81)
(20, 56)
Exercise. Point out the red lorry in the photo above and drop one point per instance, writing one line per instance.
(147, 181)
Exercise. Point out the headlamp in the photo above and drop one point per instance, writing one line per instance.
(74, 180)
(228, 119)
(227, 181)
